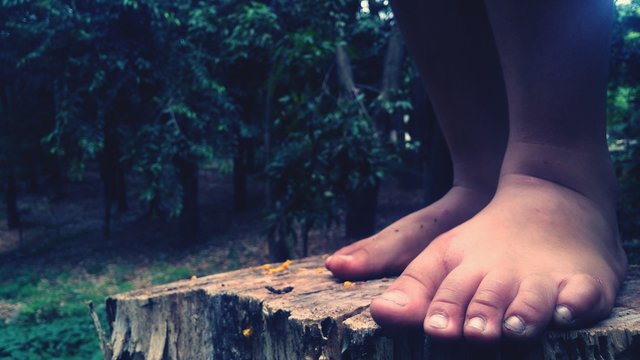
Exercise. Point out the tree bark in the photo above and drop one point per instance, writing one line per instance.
(299, 311)
(188, 174)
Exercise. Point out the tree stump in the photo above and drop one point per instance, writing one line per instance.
(299, 311)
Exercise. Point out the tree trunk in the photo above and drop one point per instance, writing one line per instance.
(391, 78)
(345, 72)
(11, 197)
(299, 311)
(121, 190)
(32, 176)
(361, 212)
(55, 176)
(106, 116)
(188, 174)
(250, 162)
(361, 202)
(279, 250)
(240, 176)
(108, 174)
(305, 228)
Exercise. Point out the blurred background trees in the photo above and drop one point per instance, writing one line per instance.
(624, 114)
(204, 122)
(318, 101)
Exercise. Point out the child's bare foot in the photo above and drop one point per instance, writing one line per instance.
(389, 251)
(540, 252)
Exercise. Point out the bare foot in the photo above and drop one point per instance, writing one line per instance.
(389, 251)
(539, 253)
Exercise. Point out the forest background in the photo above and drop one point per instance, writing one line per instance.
(146, 141)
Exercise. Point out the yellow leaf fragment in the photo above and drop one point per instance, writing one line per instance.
(264, 267)
(280, 268)
(319, 270)
(247, 332)
(194, 278)
(348, 284)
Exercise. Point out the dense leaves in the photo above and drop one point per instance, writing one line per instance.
(160, 89)
(624, 114)
(313, 97)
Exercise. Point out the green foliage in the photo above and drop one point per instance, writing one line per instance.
(328, 144)
(169, 274)
(624, 114)
(141, 76)
(53, 320)
(68, 338)
(154, 83)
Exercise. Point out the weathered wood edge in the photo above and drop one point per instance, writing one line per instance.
(321, 318)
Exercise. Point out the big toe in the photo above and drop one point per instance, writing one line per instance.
(380, 255)
(446, 313)
(350, 260)
(405, 303)
(364, 259)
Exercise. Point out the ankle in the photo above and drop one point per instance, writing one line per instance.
(478, 176)
(588, 172)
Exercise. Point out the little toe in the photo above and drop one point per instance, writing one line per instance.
(404, 304)
(532, 308)
(446, 313)
(583, 299)
(486, 309)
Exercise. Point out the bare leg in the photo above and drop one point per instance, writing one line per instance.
(454, 49)
(546, 248)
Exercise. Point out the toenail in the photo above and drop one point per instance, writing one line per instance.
(343, 257)
(563, 315)
(515, 325)
(477, 323)
(438, 321)
(397, 297)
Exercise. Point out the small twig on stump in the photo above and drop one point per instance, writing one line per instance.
(104, 345)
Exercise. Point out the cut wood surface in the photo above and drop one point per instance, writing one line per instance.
(298, 310)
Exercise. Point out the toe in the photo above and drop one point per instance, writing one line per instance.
(487, 307)
(583, 299)
(446, 312)
(405, 302)
(532, 308)
(351, 261)
(386, 253)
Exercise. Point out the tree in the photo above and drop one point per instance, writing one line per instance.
(624, 114)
